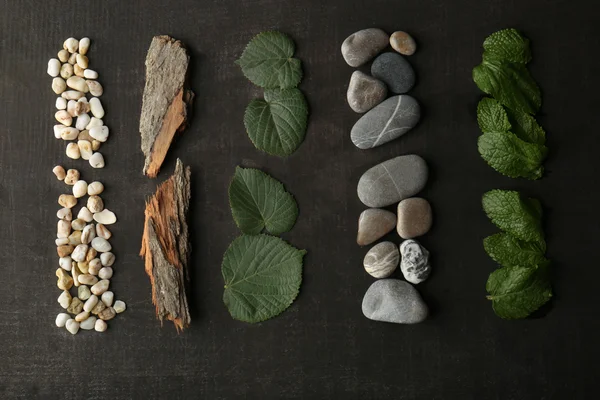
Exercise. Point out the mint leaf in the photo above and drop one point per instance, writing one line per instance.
(259, 201)
(277, 124)
(516, 292)
(509, 45)
(491, 116)
(512, 213)
(267, 61)
(509, 83)
(526, 127)
(509, 251)
(262, 277)
(511, 156)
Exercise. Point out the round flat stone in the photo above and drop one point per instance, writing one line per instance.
(373, 224)
(392, 181)
(393, 300)
(394, 71)
(415, 261)
(414, 217)
(365, 92)
(382, 260)
(362, 46)
(388, 121)
(403, 43)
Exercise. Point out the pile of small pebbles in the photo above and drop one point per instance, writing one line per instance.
(79, 110)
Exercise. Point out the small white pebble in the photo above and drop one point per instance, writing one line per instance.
(100, 325)
(101, 245)
(103, 231)
(107, 259)
(100, 133)
(71, 94)
(71, 45)
(71, 107)
(82, 316)
(105, 217)
(53, 67)
(77, 83)
(84, 45)
(95, 88)
(58, 130)
(90, 303)
(66, 263)
(79, 252)
(88, 234)
(94, 122)
(63, 117)
(68, 133)
(83, 292)
(95, 266)
(66, 214)
(80, 188)
(73, 151)
(61, 241)
(100, 287)
(72, 326)
(95, 188)
(63, 229)
(82, 120)
(107, 298)
(72, 177)
(90, 74)
(64, 299)
(119, 306)
(61, 104)
(85, 214)
(87, 279)
(63, 56)
(85, 149)
(97, 160)
(105, 273)
(96, 107)
(66, 71)
(82, 61)
(60, 172)
(59, 85)
(95, 204)
(88, 324)
(61, 319)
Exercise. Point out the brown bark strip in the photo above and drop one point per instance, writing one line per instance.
(166, 100)
(166, 248)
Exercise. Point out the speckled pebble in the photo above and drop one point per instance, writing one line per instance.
(403, 43)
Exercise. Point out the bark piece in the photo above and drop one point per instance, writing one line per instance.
(166, 248)
(166, 101)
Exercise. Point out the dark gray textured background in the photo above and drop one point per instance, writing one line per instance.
(322, 347)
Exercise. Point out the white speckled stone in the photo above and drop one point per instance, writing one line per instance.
(415, 261)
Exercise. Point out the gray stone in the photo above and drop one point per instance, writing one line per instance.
(392, 181)
(373, 224)
(382, 260)
(415, 261)
(361, 46)
(388, 121)
(414, 217)
(403, 43)
(365, 92)
(394, 71)
(393, 300)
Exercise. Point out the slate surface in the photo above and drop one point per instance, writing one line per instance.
(322, 348)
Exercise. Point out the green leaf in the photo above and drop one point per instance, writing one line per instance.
(491, 116)
(511, 156)
(516, 292)
(509, 83)
(509, 251)
(267, 61)
(262, 277)
(277, 124)
(259, 201)
(526, 127)
(509, 45)
(512, 213)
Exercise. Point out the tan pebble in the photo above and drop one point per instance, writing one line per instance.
(72, 59)
(95, 204)
(60, 172)
(65, 250)
(63, 117)
(94, 266)
(91, 253)
(67, 200)
(107, 314)
(85, 135)
(95, 88)
(83, 292)
(102, 231)
(65, 281)
(99, 287)
(66, 71)
(82, 61)
(59, 85)
(77, 83)
(78, 224)
(87, 279)
(85, 149)
(96, 145)
(84, 45)
(73, 151)
(98, 308)
(76, 306)
(80, 72)
(83, 268)
(63, 56)
(72, 177)
(75, 272)
(75, 238)
(72, 94)
(82, 316)
(403, 43)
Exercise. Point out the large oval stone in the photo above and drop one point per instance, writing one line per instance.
(393, 300)
(361, 46)
(394, 71)
(388, 121)
(392, 181)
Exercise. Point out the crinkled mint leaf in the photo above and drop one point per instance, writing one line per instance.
(509, 45)
(509, 83)
(491, 116)
(509, 211)
(526, 127)
(516, 292)
(511, 156)
(277, 124)
(262, 276)
(509, 251)
(259, 201)
(267, 61)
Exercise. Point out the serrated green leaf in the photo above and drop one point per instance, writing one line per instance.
(526, 127)
(258, 201)
(509, 83)
(509, 251)
(512, 213)
(267, 61)
(516, 292)
(262, 276)
(491, 116)
(277, 124)
(509, 45)
(511, 156)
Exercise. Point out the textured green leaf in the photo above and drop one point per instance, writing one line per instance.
(511, 156)
(258, 201)
(509, 83)
(512, 213)
(491, 116)
(509, 251)
(267, 61)
(277, 124)
(509, 45)
(516, 292)
(526, 127)
(262, 276)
